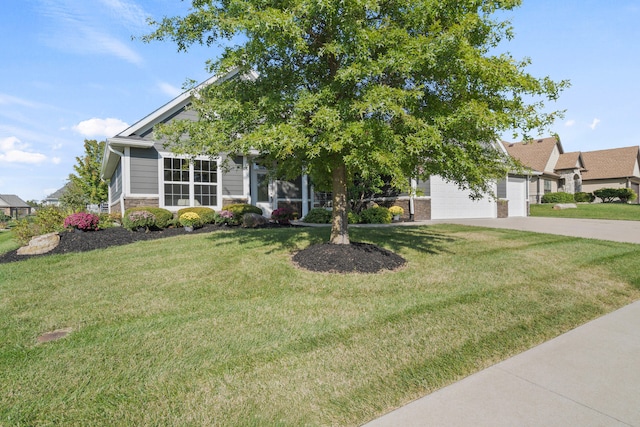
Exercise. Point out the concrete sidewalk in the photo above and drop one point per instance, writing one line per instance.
(589, 376)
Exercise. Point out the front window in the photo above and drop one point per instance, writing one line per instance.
(547, 186)
(189, 183)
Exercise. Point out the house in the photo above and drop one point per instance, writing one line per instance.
(142, 172)
(553, 170)
(13, 206)
(53, 199)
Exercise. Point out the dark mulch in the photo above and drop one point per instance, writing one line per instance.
(352, 258)
(356, 257)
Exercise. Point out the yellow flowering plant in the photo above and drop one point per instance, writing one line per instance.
(189, 219)
(396, 210)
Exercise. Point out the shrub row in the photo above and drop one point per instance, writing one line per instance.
(607, 195)
(374, 215)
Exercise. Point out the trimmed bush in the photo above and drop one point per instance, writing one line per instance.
(207, 215)
(626, 194)
(609, 195)
(559, 197)
(354, 218)
(376, 215)
(138, 218)
(239, 209)
(163, 217)
(318, 216)
(582, 197)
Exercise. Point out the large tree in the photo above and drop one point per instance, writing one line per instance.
(360, 88)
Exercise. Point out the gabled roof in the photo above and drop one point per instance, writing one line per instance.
(12, 201)
(611, 163)
(133, 135)
(58, 193)
(571, 160)
(534, 154)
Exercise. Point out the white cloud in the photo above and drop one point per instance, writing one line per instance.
(12, 150)
(56, 160)
(169, 89)
(128, 13)
(100, 127)
(594, 123)
(569, 123)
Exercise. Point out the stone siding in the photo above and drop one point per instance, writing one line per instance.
(503, 209)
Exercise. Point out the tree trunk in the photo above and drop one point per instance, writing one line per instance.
(339, 221)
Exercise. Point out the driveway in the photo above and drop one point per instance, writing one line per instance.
(602, 229)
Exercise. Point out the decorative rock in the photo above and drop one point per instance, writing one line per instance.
(54, 335)
(561, 206)
(253, 220)
(40, 244)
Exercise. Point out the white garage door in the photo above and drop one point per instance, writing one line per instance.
(517, 195)
(448, 201)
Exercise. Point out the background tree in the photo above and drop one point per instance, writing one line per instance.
(74, 197)
(360, 88)
(86, 181)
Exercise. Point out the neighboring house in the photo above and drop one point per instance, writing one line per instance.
(554, 170)
(53, 199)
(141, 172)
(613, 168)
(13, 206)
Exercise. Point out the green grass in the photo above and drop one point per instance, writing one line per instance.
(221, 328)
(7, 243)
(590, 210)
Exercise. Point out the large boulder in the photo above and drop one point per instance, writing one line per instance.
(561, 206)
(40, 244)
(253, 220)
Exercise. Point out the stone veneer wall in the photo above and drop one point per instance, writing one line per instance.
(503, 209)
(422, 208)
(239, 200)
(134, 202)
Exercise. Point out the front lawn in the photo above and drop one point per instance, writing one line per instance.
(7, 243)
(619, 211)
(222, 329)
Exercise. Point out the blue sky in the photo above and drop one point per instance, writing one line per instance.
(70, 71)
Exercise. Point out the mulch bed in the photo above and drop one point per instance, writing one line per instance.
(353, 258)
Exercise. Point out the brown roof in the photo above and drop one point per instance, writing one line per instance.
(612, 163)
(533, 154)
(569, 161)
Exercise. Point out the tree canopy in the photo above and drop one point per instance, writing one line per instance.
(360, 88)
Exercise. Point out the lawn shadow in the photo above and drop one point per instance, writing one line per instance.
(420, 238)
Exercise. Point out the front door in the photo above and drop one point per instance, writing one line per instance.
(261, 189)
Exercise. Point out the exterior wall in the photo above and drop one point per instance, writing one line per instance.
(592, 185)
(144, 171)
(536, 188)
(503, 208)
(234, 201)
(422, 209)
(553, 159)
(404, 204)
(233, 177)
(134, 202)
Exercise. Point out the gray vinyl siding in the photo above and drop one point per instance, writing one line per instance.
(232, 177)
(502, 189)
(423, 188)
(182, 114)
(144, 171)
(115, 183)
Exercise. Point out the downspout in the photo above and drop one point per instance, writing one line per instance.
(121, 155)
(412, 195)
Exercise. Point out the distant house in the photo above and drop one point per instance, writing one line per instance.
(141, 171)
(554, 170)
(53, 199)
(13, 206)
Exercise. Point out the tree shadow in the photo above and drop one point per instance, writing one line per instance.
(420, 238)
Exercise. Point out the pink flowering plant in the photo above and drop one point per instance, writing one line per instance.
(225, 217)
(141, 219)
(82, 221)
(282, 215)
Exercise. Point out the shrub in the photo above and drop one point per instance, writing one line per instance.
(138, 218)
(163, 217)
(353, 218)
(376, 215)
(5, 218)
(559, 197)
(240, 209)
(318, 216)
(626, 194)
(582, 197)
(608, 195)
(207, 215)
(46, 220)
(190, 219)
(282, 215)
(82, 221)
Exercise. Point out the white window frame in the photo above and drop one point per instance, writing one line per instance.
(191, 183)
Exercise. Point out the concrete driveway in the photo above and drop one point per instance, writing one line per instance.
(617, 231)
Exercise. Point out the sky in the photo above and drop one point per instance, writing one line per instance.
(72, 70)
